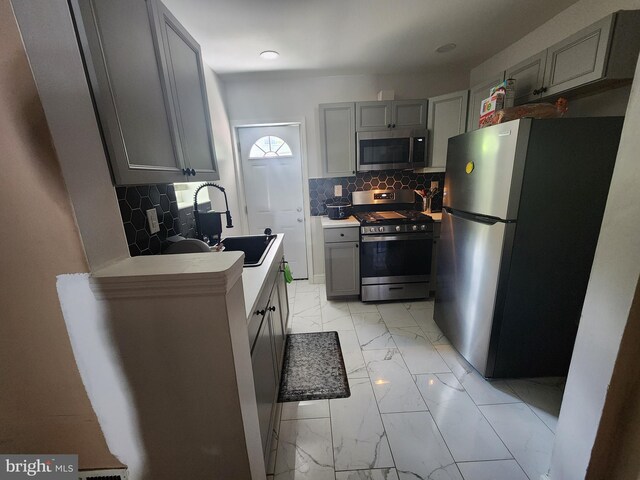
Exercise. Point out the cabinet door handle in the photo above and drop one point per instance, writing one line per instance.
(260, 312)
(185, 171)
(543, 89)
(388, 125)
(357, 245)
(193, 172)
(393, 125)
(272, 309)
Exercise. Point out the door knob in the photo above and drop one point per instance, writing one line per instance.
(299, 220)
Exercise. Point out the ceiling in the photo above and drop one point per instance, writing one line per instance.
(357, 36)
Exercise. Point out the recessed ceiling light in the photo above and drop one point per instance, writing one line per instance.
(269, 54)
(447, 47)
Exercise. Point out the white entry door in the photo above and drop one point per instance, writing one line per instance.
(272, 173)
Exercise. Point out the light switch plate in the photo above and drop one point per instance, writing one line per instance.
(337, 190)
(152, 218)
(434, 184)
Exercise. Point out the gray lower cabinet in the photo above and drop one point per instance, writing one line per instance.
(433, 285)
(477, 94)
(342, 261)
(150, 104)
(447, 118)
(338, 139)
(264, 379)
(267, 335)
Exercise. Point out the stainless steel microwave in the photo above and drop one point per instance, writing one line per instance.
(391, 149)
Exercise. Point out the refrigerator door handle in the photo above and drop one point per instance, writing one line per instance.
(475, 217)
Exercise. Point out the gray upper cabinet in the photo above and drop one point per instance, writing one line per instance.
(447, 118)
(338, 139)
(378, 115)
(600, 54)
(146, 77)
(579, 59)
(476, 95)
(130, 91)
(603, 52)
(409, 113)
(372, 116)
(529, 77)
(182, 58)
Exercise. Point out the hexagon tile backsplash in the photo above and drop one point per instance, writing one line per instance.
(322, 189)
(134, 201)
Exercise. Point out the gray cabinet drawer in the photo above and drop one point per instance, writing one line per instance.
(346, 234)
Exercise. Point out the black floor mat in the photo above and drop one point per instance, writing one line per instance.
(313, 368)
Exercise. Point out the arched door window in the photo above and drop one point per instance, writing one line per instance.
(270, 146)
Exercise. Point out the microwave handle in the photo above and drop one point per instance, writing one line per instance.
(411, 141)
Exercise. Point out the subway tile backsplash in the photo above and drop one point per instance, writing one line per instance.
(321, 190)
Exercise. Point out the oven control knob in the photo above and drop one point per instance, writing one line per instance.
(423, 227)
(381, 229)
(372, 229)
(414, 227)
(397, 228)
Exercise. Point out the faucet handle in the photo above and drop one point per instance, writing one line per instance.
(267, 231)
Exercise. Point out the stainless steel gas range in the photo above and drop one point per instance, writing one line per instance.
(396, 245)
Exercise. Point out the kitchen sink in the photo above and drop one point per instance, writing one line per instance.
(255, 247)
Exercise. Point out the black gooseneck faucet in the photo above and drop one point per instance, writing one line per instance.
(196, 213)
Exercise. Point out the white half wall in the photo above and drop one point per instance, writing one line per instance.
(581, 14)
(612, 285)
(104, 380)
(272, 99)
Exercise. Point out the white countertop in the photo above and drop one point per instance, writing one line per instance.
(155, 271)
(346, 222)
(253, 277)
(437, 216)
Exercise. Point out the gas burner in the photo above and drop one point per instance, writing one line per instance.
(401, 217)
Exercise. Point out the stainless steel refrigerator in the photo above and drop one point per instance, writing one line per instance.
(522, 208)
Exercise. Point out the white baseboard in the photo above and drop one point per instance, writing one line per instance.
(318, 278)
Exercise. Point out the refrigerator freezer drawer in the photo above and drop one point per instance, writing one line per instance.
(470, 261)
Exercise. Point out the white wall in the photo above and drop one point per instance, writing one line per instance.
(614, 276)
(265, 98)
(224, 152)
(581, 14)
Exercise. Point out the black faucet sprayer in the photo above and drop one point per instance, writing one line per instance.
(196, 213)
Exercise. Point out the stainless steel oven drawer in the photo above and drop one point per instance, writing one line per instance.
(345, 234)
(398, 291)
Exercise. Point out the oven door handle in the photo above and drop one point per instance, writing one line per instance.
(398, 237)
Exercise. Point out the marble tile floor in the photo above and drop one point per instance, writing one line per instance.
(417, 409)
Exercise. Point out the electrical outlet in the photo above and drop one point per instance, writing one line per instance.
(337, 190)
(152, 218)
(434, 184)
